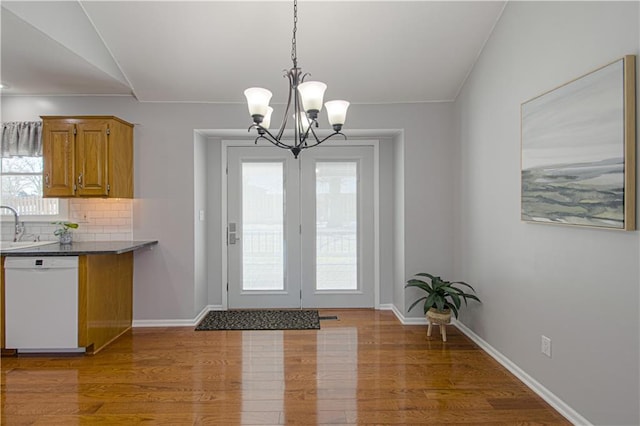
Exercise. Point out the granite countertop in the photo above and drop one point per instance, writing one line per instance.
(80, 248)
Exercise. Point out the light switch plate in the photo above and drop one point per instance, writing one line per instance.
(545, 346)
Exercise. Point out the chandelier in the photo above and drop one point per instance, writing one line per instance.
(306, 97)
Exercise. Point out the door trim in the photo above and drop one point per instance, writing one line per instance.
(226, 143)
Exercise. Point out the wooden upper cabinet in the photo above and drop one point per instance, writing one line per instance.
(58, 147)
(92, 155)
(87, 156)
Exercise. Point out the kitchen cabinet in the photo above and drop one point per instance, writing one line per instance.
(105, 300)
(87, 156)
(105, 293)
(104, 284)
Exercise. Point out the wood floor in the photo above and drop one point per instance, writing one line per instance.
(365, 368)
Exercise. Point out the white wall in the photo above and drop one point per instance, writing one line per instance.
(215, 232)
(578, 286)
(201, 226)
(168, 282)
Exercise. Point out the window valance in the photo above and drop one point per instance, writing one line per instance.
(21, 139)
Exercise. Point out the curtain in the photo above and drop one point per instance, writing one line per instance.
(21, 139)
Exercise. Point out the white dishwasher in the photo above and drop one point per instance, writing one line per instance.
(41, 304)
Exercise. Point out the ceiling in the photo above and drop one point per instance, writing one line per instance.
(210, 51)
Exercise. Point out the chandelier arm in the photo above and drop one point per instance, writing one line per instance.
(283, 126)
(298, 113)
(276, 144)
(313, 132)
(328, 137)
(270, 138)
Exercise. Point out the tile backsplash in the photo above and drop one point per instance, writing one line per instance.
(99, 220)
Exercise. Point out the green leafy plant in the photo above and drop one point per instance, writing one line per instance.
(63, 227)
(441, 294)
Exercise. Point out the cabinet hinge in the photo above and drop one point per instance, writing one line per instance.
(75, 130)
(108, 187)
(108, 131)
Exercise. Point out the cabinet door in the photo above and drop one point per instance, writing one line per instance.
(58, 151)
(91, 157)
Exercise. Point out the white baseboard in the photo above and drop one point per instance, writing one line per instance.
(408, 320)
(385, 307)
(177, 322)
(569, 413)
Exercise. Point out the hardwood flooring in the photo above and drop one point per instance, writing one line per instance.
(365, 368)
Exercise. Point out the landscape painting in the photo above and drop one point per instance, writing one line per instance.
(578, 151)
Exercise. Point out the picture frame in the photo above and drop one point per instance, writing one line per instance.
(578, 151)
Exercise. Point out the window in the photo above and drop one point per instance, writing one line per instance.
(21, 188)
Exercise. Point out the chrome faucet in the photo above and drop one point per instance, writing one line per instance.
(18, 226)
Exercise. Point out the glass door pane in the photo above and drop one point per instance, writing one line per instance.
(336, 225)
(263, 226)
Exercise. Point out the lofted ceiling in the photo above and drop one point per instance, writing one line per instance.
(210, 51)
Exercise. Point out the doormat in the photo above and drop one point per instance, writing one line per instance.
(260, 320)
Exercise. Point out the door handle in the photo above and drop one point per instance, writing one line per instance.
(232, 237)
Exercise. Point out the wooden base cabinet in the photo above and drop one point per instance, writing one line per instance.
(105, 294)
(87, 156)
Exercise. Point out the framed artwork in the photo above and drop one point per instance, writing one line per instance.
(578, 151)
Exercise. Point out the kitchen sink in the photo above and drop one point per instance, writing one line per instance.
(15, 245)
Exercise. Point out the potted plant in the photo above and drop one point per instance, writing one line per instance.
(442, 298)
(63, 232)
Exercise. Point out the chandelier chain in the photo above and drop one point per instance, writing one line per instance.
(294, 53)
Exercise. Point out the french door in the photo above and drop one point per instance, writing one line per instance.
(300, 232)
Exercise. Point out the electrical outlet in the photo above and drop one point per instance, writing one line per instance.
(545, 346)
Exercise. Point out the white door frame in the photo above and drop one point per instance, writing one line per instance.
(226, 143)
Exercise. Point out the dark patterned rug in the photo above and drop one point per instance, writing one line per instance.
(260, 320)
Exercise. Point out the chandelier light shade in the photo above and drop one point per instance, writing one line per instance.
(303, 104)
(337, 112)
(258, 101)
(312, 94)
(266, 120)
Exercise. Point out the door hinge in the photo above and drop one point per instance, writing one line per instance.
(108, 131)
